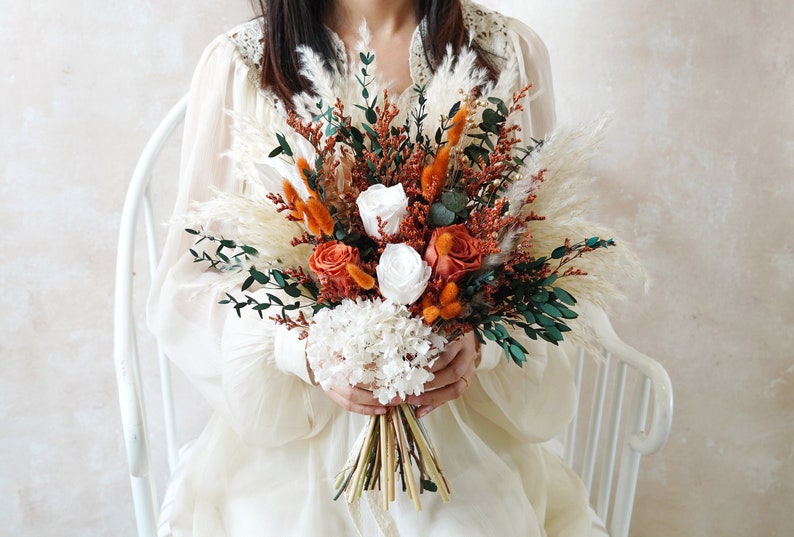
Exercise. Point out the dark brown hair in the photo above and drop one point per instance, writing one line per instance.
(290, 23)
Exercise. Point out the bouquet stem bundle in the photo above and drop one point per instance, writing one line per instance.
(392, 443)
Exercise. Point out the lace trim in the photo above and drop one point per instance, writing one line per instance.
(247, 39)
(488, 28)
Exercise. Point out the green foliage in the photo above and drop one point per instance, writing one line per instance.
(229, 256)
(532, 304)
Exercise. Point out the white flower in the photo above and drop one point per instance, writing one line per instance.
(388, 203)
(402, 274)
(372, 342)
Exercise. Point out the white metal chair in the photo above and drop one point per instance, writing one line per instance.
(639, 428)
(632, 430)
(125, 350)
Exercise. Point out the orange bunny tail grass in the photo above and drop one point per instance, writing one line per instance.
(290, 193)
(458, 124)
(427, 183)
(427, 301)
(320, 214)
(311, 222)
(444, 243)
(431, 313)
(435, 175)
(448, 294)
(452, 310)
(362, 279)
(299, 209)
(442, 162)
(294, 201)
(305, 171)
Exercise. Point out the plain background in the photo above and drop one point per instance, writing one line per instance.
(697, 173)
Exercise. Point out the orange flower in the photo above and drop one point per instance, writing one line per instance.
(450, 311)
(448, 306)
(431, 313)
(427, 180)
(311, 222)
(329, 262)
(305, 172)
(319, 214)
(435, 175)
(294, 201)
(300, 209)
(458, 124)
(454, 257)
(448, 294)
(444, 243)
(364, 280)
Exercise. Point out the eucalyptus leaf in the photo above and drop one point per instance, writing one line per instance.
(564, 296)
(440, 215)
(559, 252)
(540, 297)
(260, 277)
(490, 116)
(475, 153)
(517, 353)
(454, 200)
(554, 333)
(550, 310)
(293, 291)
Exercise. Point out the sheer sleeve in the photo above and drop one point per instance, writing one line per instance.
(251, 371)
(535, 69)
(536, 401)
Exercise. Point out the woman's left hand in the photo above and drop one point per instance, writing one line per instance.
(454, 370)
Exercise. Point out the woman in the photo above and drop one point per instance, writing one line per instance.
(266, 463)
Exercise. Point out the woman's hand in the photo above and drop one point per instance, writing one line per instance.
(453, 370)
(359, 400)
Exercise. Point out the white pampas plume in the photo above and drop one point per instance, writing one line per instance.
(328, 84)
(506, 84)
(252, 219)
(506, 245)
(561, 198)
(455, 73)
(322, 79)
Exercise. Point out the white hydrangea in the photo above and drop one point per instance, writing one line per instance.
(375, 343)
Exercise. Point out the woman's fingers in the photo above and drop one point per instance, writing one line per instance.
(435, 398)
(452, 373)
(355, 399)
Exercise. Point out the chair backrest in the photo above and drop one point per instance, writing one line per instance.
(608, 463)
(125, 351)
(630, 433)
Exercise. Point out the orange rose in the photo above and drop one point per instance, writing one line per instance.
(329, 262)
(452, 253)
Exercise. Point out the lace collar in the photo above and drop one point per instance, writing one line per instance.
(488, 28)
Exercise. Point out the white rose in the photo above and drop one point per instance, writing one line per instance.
(390, 203)
(402, 274)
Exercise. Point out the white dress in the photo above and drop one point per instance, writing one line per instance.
(266, 463)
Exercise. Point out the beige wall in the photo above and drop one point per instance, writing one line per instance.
(698, 173)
